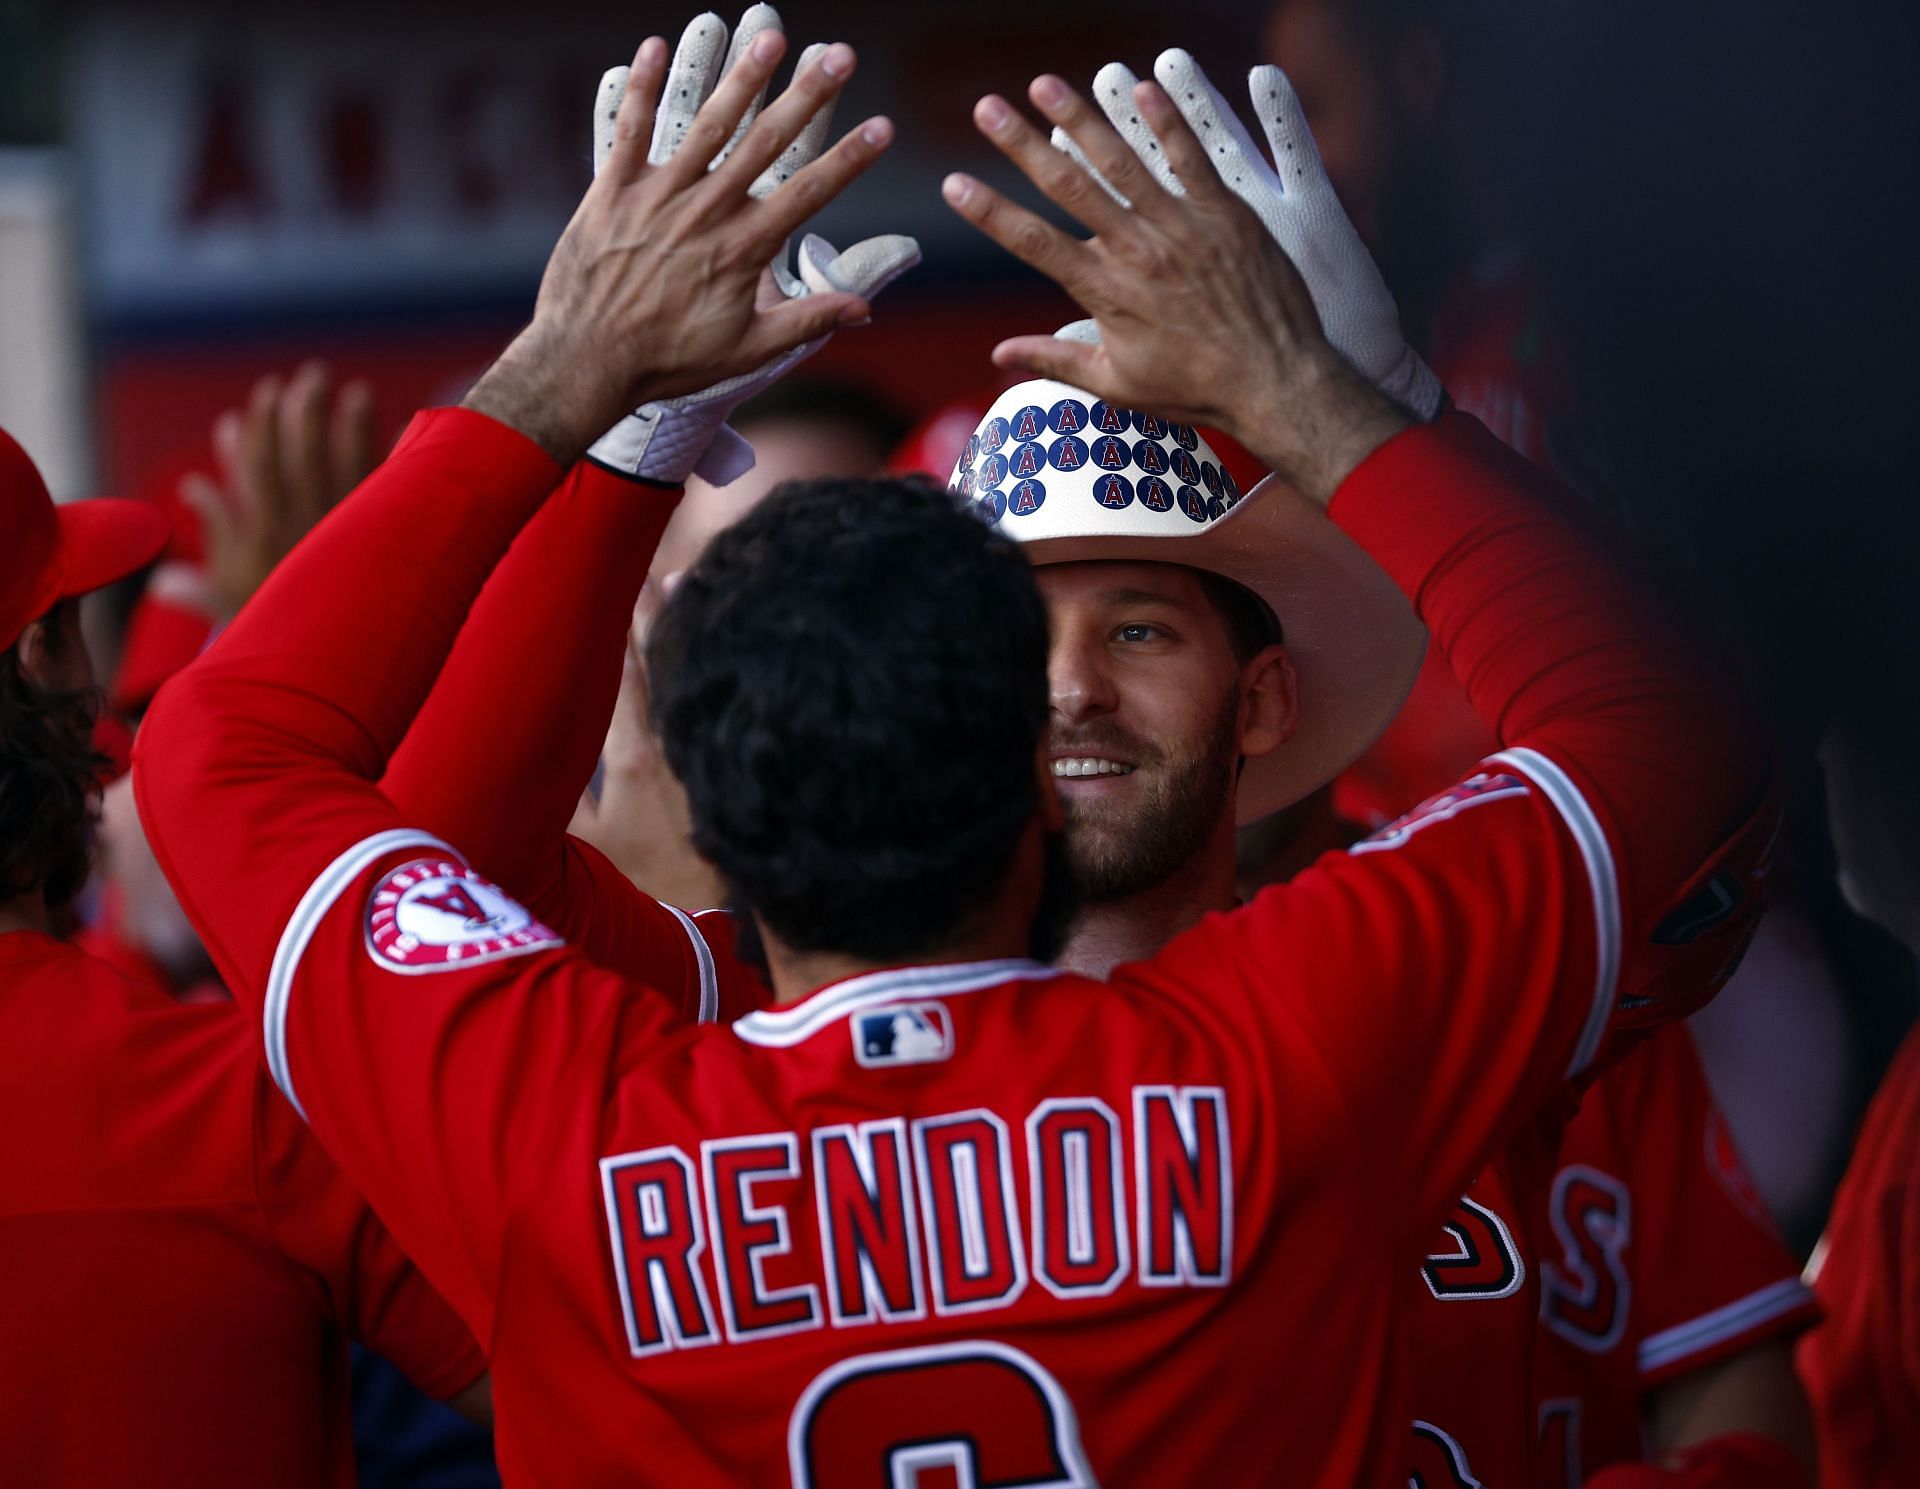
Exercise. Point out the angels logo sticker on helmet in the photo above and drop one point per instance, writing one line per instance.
(992, 435)
(1067, 453)
(993, 470)
(1029, 422)
(1110, 453)
(1024, 500)
(1113, 491)
(1027, 460)
(1068, 416)
(436, 914)
(1109, 418)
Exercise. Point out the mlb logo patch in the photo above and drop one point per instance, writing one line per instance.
(902, 1034)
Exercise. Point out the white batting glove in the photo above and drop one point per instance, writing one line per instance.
(667, 440)
(1296, 203)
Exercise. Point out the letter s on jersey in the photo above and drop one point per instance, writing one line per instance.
(1586, 1294)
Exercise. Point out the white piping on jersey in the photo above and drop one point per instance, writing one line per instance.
(703, 954)
(1709, 1330)
(1591, 839)
(781, 1028)
(335, 879)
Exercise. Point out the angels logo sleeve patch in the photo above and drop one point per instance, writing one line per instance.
(436, 914)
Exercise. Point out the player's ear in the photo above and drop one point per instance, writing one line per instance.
(1269, 702)
(1053, 815)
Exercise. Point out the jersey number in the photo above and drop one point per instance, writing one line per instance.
(977, 1414)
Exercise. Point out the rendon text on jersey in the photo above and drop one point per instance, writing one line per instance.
(918, 1214)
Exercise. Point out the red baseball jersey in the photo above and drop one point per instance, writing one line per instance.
(183, 1266)
(921, 1222)
(918, 1219)
(1861, 1365)
(1659, 1257)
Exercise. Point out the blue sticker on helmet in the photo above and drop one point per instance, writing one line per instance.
(1029, 422)
(1151, 427)
(1067, 453)
(1193, 503)
(1156, 493)
(993, 470)
(1028, 460)
(1185, 438)
(1210, 478)
(1111, 454)
(991, 505)
(1151, 456)
(1068, 416)
(993, 434)
(1186, 468)
(1024, 500)
(1110, 419)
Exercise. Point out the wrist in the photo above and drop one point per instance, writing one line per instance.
(535, 390)
(1315, 428)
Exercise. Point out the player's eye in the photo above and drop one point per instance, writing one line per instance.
(1137, 631)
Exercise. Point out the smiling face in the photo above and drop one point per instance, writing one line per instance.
(1153, 708)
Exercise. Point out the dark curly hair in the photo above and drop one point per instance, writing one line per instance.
(851, 685)
(49, 785)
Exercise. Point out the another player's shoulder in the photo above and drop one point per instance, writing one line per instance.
(136, 1100)
(56, 997)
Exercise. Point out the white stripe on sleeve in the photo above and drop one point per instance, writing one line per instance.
(320, 897)
(1591, 839)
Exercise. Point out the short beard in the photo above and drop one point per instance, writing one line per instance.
(1115, 858)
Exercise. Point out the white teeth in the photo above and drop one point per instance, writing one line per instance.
(1090, 765)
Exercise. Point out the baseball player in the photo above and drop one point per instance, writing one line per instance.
(1861, 1364)
(993, 1246)
(1669, 1302)
(182, 1265)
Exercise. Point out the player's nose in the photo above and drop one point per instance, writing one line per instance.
(1079, 685)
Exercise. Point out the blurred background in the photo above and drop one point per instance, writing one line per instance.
(1665, 248)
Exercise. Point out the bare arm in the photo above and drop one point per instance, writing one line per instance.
(1755, 1391)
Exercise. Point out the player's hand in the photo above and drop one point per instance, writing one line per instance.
(1202, 317)
(285, 460)
(640, 819)
(1294, 201)
(667, 440)
(655, 287)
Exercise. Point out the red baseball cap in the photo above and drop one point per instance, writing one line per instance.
(53, 553)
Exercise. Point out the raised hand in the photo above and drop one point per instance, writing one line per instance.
(1294, 201)
(654, 289)
(285, 460)
(666, 440)
(1202, 316)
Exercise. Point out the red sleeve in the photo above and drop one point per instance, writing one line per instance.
(524, 700)
(1710, 1274)
(320, 1221)
(1562, 656)
(1861, 1364)
(1454, 970)
(256, 771)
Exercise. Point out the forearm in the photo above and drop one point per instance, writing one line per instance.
(1754, 1392)
(526, 694)
(1557, 651)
